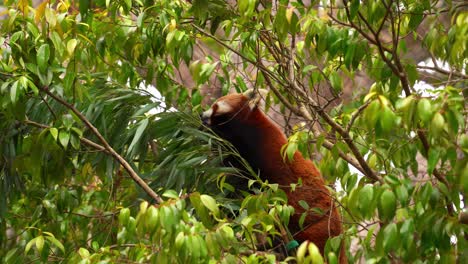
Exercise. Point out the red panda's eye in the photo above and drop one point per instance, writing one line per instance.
(215, 108)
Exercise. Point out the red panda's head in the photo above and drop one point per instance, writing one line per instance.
(232, 107)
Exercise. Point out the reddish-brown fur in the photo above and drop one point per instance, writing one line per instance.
(259, 141)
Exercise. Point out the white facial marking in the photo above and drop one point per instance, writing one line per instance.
(207, 113)
(223, 107)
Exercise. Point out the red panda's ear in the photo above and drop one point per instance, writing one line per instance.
(255, 96)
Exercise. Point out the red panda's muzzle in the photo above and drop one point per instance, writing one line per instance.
(206, 117)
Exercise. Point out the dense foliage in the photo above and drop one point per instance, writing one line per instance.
(88, 173)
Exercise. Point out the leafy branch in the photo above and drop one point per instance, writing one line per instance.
(394, 64)
(105, 146)
(358, 160)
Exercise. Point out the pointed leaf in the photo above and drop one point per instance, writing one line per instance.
(387, 205)
(210, 203)
(29, 245)
(57, 243)
(64, 138)
(71, 45)
(141, 128)
(40, 11)
(54, 132)
(424, 109)
(39, 243)
(432, 159)
(14, 92)
(43, 57)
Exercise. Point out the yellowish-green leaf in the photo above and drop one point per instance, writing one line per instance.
(124, 216)
(369, 96)
(29, 245)
(23, 6)
(64, 138)
(57, 243)
(438, 123)
(424, 109)
(71, 45)
(84, 253)
(301, 251)
(54, 132)
(14, 92)
(210, 203)
(40, 10)
(39, 243)
(43, 54)
(50, 16)
(289, 13)
(314, 254)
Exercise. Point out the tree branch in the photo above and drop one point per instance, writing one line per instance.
(83, 140)
(397, 68)
(304, 113)
(106, 146)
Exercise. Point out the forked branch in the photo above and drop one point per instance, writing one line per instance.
(106, 145)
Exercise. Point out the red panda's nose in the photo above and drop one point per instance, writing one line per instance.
(206, 118)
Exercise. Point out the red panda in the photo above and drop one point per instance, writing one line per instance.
(238, 119)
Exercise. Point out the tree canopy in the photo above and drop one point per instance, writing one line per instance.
(103, 159)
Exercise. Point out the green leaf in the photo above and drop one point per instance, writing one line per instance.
(50, 16)
(424, 109)
(308, 68)
(64, 138)
(54, 132)
(124, 215)
(387, 204)
(128, 4)
(314, 254)
(170, 194)
(416, 17)
(210, 203)
(39, 243)
(152, 218)
(433, 158)
(332, 258)
(14, 93)
(387, 119)
(57, 243)
(407, 228)
(71, 45)
(366, 195)
(437, 124)
(141, 128)
(336, 82)
(402, 194)
(42, 57)
(390, 237)
(33, 87)
(290, 150)
(354, 8)
(29, 245)
(84, 253)
(304, 204)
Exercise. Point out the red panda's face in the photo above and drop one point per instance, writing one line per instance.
(232, 109)
(226, 108)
